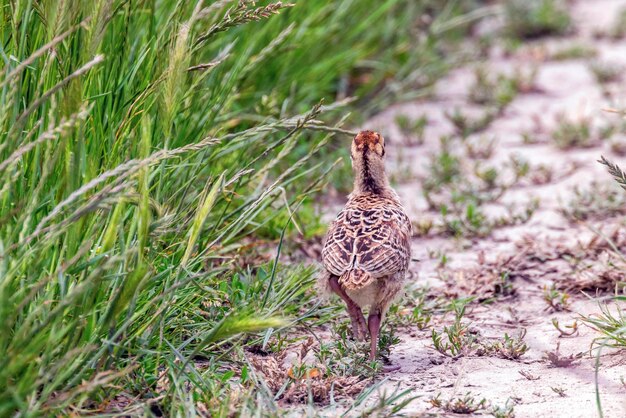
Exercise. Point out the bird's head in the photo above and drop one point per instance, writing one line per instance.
(366, 153)
(368, 144)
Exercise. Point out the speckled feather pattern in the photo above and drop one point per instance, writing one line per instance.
(369, 241)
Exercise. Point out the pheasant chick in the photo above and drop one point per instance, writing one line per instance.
(367, 248)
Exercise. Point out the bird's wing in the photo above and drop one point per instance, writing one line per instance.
(376, 241)
(384, 245)
(338, 251)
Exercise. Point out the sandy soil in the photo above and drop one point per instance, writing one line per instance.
(561, 88)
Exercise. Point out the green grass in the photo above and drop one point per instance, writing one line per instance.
(150, 154)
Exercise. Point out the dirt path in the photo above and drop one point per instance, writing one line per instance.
(534, 253)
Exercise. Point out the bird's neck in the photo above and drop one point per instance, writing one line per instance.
(369, 175)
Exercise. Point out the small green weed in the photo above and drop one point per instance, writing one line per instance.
(572, 52)
(557, 301)
(605, 72)
(598, 200)
(480, 148)
(510, 348)
(466, 125)
(417, 311)
(571, 133)
(535, 18)
(469, 405)
(569, 331)
(466, 405)
(412, 129)
(499, 91)
(455, 340)
(444, 167)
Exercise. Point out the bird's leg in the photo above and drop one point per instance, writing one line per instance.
(373, 323)
(354, 311)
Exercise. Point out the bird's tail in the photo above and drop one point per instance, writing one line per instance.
(355, 279)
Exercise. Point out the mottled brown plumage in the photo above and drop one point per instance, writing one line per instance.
(368, 240)
(367, 248)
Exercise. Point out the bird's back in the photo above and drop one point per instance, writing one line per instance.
(368, 241)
